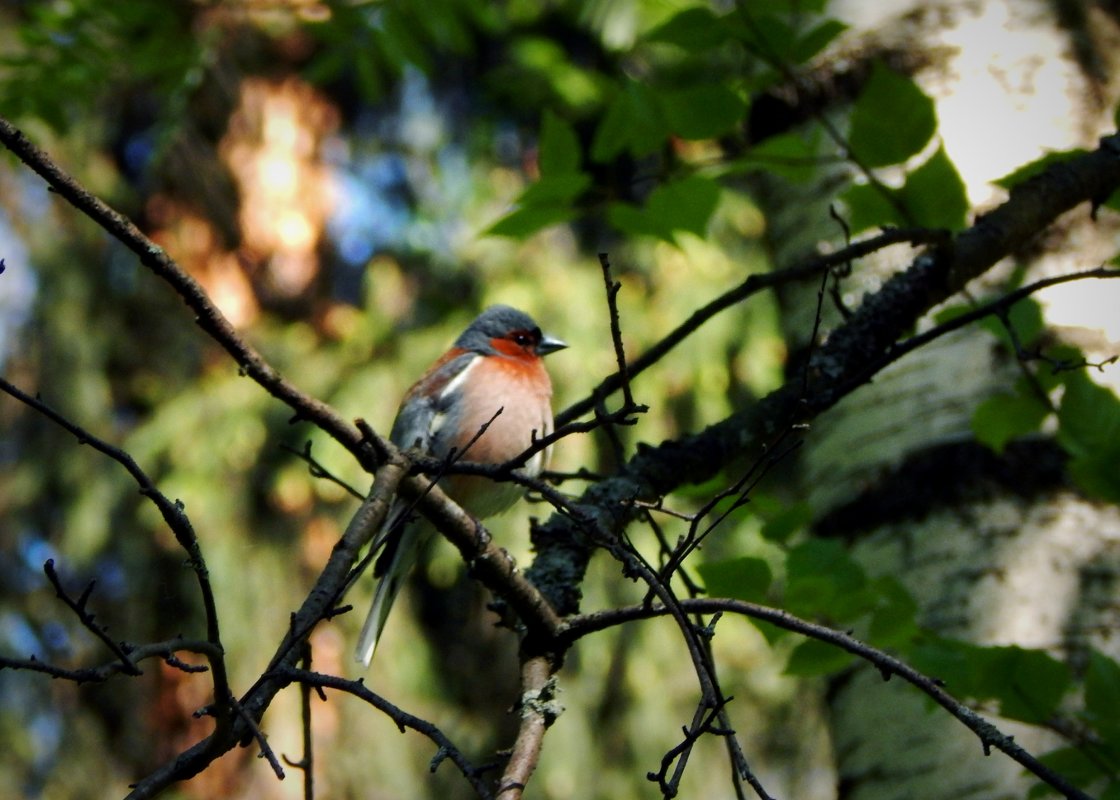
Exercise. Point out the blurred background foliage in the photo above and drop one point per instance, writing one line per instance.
(326, 171)
(352, 182)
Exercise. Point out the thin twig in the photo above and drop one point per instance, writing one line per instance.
(317, 470)
(995, 307)
(404, 721)
(702, 723)
(306, 764)
(740, 490)
(137, 653)
(128, 666)
(635, 565)
(612, 287)
(737, 294)
(267, 752)
(176, 519)
(886, 664)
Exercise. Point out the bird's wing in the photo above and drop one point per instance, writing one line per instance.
(429, 408)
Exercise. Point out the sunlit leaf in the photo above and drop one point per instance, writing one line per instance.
(1004, 417)
(870, 206)
(1036, 167)
(934, 194)
(555, 189)
(809, 44)
(637, 221)
(526, 221)
(693, 29)
(1089, 429)
(683, 205)
(892, 120)
(1024, 318)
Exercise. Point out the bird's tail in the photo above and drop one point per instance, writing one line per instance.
(393, 567)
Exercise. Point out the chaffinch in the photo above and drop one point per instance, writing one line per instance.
(494, 364)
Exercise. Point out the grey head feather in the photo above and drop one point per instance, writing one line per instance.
(498, 322)
(494, 322)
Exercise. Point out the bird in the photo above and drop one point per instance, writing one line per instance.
(493, 368)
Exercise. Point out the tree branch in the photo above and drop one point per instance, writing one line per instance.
(319, 604)
(539, 709)
(286, 675)
(137, 653)
(752, 285)
(176, 519)
(836, 368)
(989, 734)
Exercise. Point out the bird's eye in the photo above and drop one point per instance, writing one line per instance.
(522, 338)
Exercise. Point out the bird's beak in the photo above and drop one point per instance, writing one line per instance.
(548, 345)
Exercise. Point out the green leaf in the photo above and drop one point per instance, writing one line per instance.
(796, 7)
(823, 580)
(1036, 167)
(1098, 474)
(950, 313)
(894, 619)
(869, 207)
(771, 33)
(523, 222)
(633, 123)
(549, 200)
(1004, 417)
(702, 112)
(814, 657)
(638, 221)
(1075, 764)
(956, 664)
(817, 39)
(695, 28)
(555, 189)
(1025, 318)
(788, 521)
(401, 41)
(559, 146)
(682, 205)
(892, 119)
(789, 155)
(743, 578)
(1029, 684)
(1089, 414)
(935, 195)
(1102, 696)
(686, 204)
(1088, 418)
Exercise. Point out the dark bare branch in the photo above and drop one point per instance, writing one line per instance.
(886, 664)
(405, 721)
